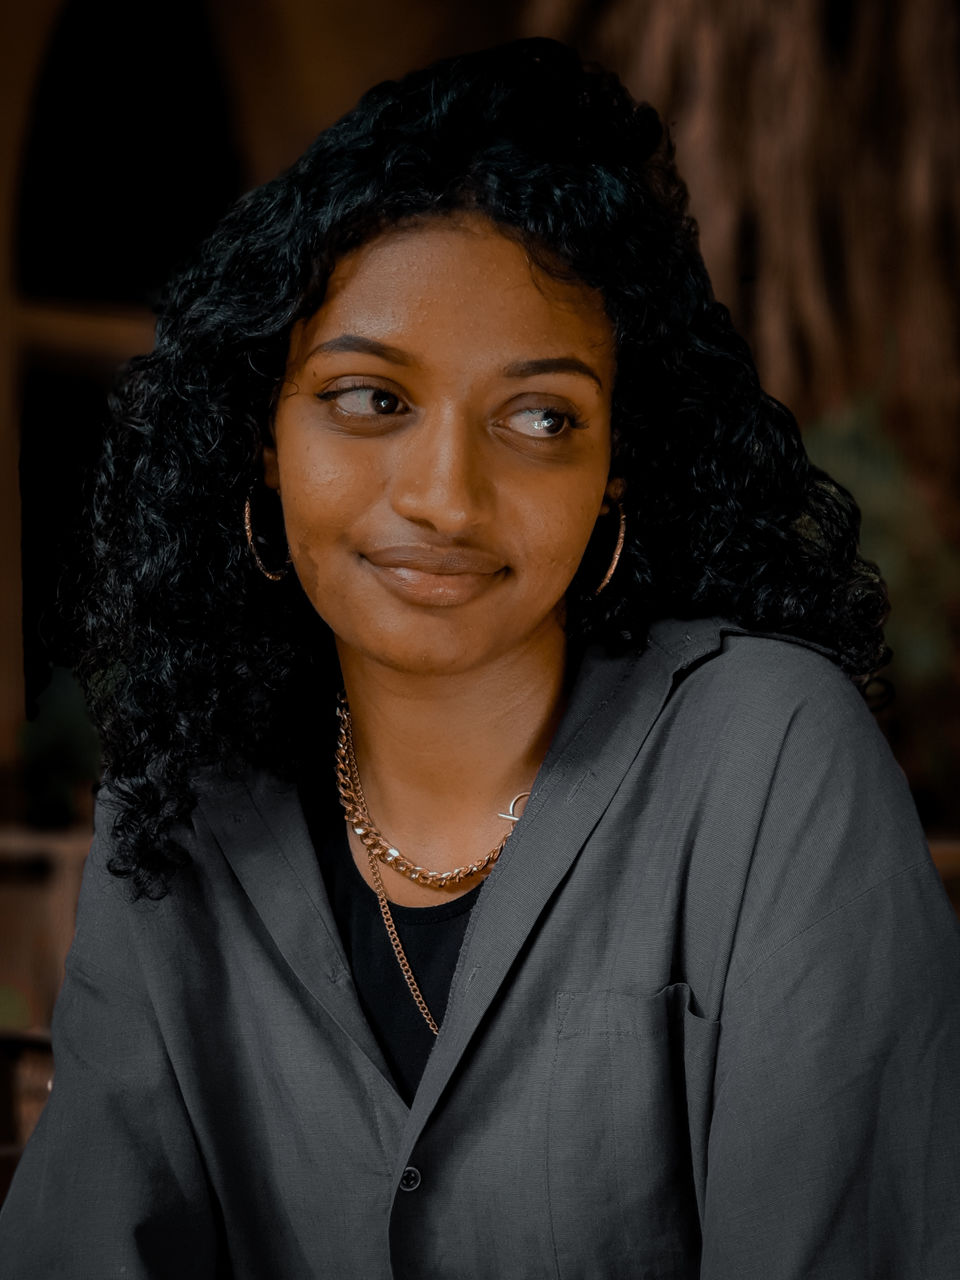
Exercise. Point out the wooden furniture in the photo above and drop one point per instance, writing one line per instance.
(946, 855)
(39, 884)
(26, 1076)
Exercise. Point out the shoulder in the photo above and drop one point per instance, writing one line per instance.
(749, 694)
(705, 692)
(115, 925)
(836, 819)
(785, 675)
(789, 700)
(719, 663)
(794, 808)
(774, 728)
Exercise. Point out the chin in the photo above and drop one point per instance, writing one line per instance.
(425, 650)
(442, 642)
(424, 660)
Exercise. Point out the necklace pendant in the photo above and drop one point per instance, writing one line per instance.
(510, 816)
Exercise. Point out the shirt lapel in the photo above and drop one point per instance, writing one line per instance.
(260, 827)
(614, 704)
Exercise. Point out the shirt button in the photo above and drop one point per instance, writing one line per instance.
(410, 1178)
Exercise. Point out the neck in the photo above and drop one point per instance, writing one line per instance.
(441, 755)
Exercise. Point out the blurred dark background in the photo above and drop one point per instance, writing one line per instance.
(819, 142)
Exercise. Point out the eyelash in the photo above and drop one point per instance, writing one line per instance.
(573, 421)
(354, 386)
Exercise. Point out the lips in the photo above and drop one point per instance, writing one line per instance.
(437, 576)
(441, 560)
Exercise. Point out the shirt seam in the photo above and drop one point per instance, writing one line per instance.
(877, 884)
(91, 969)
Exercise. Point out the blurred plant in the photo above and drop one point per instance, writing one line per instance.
(61, 755)
(922, 570)
(14, 1008)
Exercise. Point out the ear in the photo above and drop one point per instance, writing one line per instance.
(268, 453)
(271, 469)
(612, 494)
(268, 457)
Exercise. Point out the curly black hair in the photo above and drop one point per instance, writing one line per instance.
(190, 658)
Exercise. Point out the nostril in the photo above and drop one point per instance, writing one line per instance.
(449, 498)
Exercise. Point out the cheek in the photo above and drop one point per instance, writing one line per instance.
(557, 534)
(323, 492)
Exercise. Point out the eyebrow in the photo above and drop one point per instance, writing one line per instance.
(552, 364)
(355, 342)
(366, 346)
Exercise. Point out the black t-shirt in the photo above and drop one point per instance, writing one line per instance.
(431, 938)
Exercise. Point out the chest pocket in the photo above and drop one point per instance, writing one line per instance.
(628, 1114)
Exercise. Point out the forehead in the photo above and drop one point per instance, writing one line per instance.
(457, 285)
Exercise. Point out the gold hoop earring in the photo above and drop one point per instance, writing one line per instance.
(621, 534)
(274, 575)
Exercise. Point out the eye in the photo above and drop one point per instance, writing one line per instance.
(542, 423)
(363, 401)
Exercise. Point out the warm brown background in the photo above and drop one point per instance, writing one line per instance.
(820, 142)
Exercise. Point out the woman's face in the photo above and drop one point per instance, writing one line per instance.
(442, 445)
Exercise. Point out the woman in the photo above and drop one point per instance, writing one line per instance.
(449, 503)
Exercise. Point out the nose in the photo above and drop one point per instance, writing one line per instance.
(439, 474)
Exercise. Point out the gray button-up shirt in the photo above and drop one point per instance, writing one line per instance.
(705, 1023)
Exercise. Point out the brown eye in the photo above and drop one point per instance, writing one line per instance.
(364, 402)
(384, 401)
(541, 423)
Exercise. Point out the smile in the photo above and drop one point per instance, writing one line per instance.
(437, 576)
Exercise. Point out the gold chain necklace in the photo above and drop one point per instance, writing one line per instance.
(355, 808)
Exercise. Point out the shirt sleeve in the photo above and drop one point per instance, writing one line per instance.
(834, 1147)
(111, 1182)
